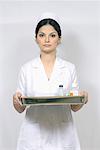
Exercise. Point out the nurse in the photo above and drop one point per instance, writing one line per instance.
(47, 127)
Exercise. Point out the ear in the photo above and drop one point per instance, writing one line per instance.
(59, 41)
(36, 40)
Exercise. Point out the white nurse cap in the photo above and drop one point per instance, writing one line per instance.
(49, 15)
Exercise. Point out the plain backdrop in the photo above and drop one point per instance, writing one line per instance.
(80, 22)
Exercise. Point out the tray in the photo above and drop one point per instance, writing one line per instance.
(53, 100)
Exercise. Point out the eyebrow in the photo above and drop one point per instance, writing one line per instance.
(50, 33)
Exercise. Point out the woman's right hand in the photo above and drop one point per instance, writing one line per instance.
(17, 102)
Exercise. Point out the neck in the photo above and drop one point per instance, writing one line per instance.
(48, 58)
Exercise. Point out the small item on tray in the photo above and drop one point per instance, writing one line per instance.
(61, 92)
(73, 93)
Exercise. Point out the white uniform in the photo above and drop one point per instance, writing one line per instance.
(47, 127)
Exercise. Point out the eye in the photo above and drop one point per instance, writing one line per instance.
(53, 35)
(41, 35)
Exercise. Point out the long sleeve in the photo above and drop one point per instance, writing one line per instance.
(21, 82)
(74, 85)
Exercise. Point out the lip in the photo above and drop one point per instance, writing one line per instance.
(47, 45)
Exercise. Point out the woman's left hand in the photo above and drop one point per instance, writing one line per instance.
(79, 106)
(85, 94)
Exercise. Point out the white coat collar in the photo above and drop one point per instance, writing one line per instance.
(60, 63)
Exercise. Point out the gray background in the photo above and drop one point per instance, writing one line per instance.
(80, 21)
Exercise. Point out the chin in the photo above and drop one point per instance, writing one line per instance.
(47, 51)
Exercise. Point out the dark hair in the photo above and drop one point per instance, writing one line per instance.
(51, 22)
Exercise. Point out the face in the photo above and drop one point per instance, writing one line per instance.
(47, 39)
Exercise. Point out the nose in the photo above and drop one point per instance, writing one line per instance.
(47, 39)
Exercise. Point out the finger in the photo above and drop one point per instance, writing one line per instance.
(18, 94)
(17, 98)
(86, 96)
(81, 93)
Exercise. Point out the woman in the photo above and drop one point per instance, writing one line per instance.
(47, 127)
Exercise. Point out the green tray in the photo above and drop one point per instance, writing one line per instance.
(52, 100)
